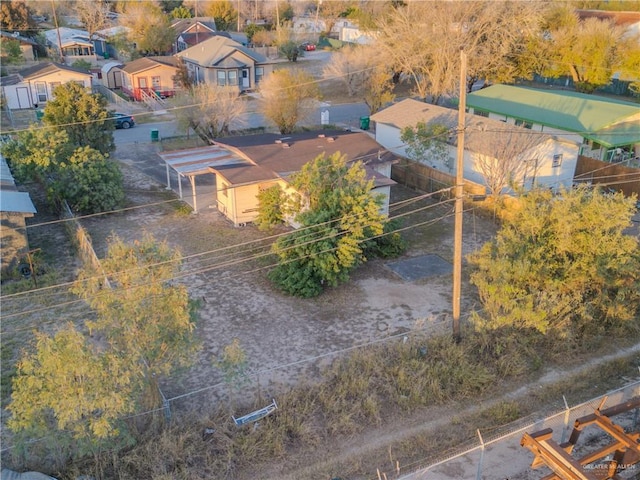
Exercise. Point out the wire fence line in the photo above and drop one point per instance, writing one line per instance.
(500, 455)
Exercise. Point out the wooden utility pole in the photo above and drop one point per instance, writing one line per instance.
(457, 234)
(55, 22)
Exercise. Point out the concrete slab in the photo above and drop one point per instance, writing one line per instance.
(417, 268)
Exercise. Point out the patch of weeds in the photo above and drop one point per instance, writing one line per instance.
(500, 414)
(182, 209)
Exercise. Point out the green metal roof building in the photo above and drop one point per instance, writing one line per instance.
(603, 121)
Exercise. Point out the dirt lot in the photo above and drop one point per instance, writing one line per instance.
(283, 336)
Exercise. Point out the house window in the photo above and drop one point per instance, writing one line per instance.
(41, 92)
(222, 78)
(233, 77)
(481, 113)
(557, 160)
(259, 74)
(155, 82)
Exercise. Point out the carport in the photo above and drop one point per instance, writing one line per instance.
(192, 162)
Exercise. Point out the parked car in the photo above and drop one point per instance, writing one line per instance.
(123, 120)
(307, 47)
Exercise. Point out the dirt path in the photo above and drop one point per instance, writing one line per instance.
(372, 447)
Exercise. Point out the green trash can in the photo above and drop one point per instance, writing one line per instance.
(39, 114)
(364, 123)
(155, 135)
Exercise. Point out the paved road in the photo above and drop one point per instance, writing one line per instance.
(343, 114)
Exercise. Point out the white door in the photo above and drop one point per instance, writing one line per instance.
(245, 78)
(24, 99)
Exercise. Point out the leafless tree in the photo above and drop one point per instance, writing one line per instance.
(423, 39)
(93, 15)
(211, 111)
(506, 156)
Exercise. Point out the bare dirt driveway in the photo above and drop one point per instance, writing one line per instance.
(284, 337)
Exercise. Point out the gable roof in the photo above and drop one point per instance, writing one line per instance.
(202, 24)
(278, 156)
(146, 63)
(212, 51)
(570, 111)
(41, 69)
(479, 130)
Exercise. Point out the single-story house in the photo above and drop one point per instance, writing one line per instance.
(154, 76)
(15, 208)
(192, 31)
(222, 61)
(245, 165)
(544, 159)
(71, 44)
(605, 127)
(27, 45)
(33, 87)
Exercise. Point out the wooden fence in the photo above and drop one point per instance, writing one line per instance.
(81, 240)
(426, 179)
(613, 175)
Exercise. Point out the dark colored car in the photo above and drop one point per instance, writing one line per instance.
(308, 47)
(123, 120)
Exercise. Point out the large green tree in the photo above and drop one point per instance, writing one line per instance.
(81, 175)
(70, 392)
(149, 27)
(288, 97)
(562, 265)
(144, 315)
(589, 50)
(336, 212)
(83, 115)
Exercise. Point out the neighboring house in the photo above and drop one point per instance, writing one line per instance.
(605, 127)
(151, 76)
(103, 41)
(222, 61)
(547, 161)
(192, 31)
(33, 87)
(71, 44)
(27, 45)
(629, 20)
(243, 166)
(15, 208)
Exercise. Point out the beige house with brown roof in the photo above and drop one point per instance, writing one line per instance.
(245, 165)
(150, 76)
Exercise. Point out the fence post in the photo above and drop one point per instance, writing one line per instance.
(565, 428)
(479, 473)
(166, 407)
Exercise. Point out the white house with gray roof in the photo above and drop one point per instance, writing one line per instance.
(543, 159)
(225, 62)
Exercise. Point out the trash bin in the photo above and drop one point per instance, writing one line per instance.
(39, 114)
(155, 135)
(364, 123)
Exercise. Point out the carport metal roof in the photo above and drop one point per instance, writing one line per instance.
(197, 161)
